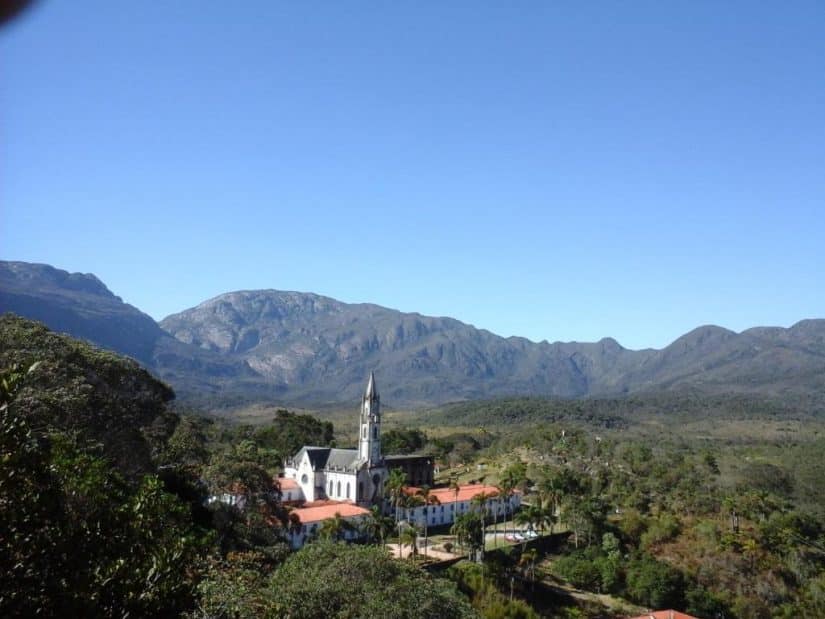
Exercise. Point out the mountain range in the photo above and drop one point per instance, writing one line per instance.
(304, 348)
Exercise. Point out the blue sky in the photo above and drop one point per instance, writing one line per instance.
(557, 170)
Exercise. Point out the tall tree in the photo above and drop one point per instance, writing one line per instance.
(428, 500)
(409, 537)
(396, 485)
(334, 528)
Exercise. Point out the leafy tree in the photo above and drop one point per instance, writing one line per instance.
(587, 517)
(288, 432)
(403, 441)
(77, 540)
(92, 394)
(469, 531)
(187, 444)
(654, 584)
(340, 580)
(580, 571)
(485, 595)
(236, 586)
(664, 528)
(703, 603)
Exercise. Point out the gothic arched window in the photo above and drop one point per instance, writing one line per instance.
(347, 489)
(339, 488)
(330, 487)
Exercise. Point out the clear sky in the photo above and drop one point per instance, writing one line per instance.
(557, 170)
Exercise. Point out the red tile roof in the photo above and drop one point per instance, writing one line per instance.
(465, 493)
(324, 512)
(665, 614)
(321, 502)
(288, 484)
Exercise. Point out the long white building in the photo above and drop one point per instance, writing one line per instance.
(448, 504)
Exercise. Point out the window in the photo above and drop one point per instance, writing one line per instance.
(374, 432)
(304, 478)
(364, 433)
(339, 489)
(360, 491)
(348, 486)
(330, 488)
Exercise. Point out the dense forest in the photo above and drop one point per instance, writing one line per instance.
(709, 505)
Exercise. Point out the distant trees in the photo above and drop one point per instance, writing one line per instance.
(402, 441)
(288, 432)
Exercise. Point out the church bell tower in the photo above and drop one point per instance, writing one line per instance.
(369, 443)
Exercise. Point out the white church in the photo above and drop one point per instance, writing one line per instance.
(356, 475)
(322, 482)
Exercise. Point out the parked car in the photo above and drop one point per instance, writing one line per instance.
(519, 537)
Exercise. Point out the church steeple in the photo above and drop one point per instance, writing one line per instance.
(372, 391)
(369, 442)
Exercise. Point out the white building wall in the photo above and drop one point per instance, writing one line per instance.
(293, 494)
(339, 481)
(308, 479)
(446, 513)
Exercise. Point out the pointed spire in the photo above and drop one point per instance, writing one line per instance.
(372, 390)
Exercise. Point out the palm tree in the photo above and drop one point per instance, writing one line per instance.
(512, 478)
(427, 499)
(333, 528)
(455, 487)
(396, 483)
(506, 487)
(376, 525)
(525, 516)
(468, 529)
(409, 537)
(546, 519)
(552, 489)
(480, 501)
(503, 498)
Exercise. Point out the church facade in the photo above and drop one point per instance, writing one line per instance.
(356, 475)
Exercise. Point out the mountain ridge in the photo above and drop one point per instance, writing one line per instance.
(298, 347)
